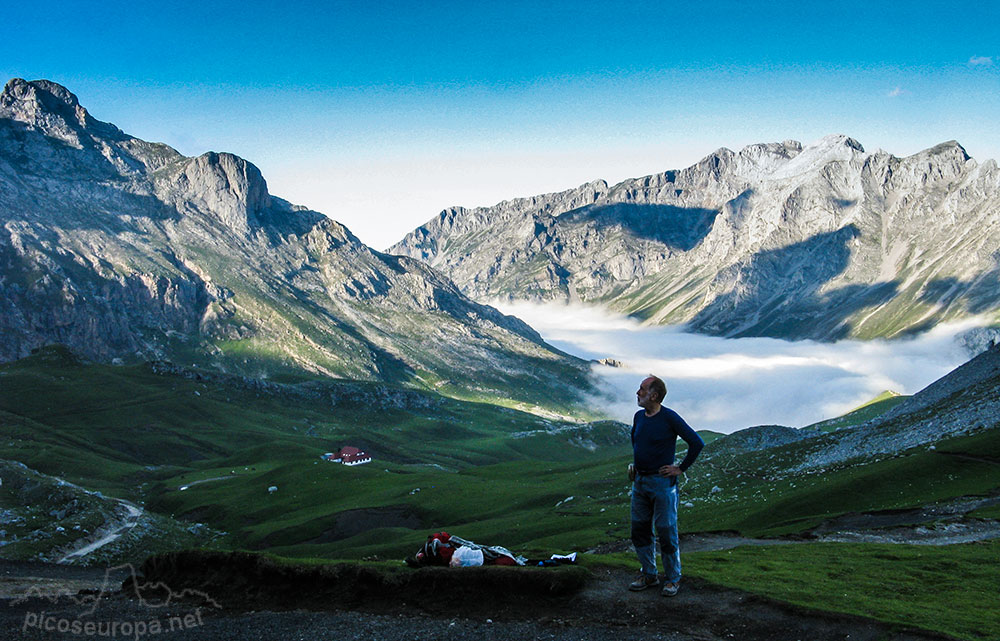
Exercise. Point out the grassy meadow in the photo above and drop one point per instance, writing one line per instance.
(139, 435)
(952, 589)
(492, 474)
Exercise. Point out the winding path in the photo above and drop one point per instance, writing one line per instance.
(114, 531)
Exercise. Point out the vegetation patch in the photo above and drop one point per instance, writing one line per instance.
(866, 412)
(758, 497)
(207, 448)
(948, 589)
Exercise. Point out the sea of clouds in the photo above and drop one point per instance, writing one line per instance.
(727, 384)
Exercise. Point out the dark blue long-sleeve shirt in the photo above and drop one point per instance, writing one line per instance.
(654, 440)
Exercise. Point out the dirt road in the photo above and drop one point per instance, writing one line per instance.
(107, 533)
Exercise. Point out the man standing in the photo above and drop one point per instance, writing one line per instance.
(655, 429)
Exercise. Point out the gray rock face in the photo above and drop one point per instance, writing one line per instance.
(964, 402)
(228, 186)
(823, 241)
(121, 248)
(752, 439)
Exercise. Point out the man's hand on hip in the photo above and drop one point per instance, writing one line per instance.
(670, 470)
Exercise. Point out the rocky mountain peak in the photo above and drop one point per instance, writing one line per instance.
(785, 149)
(816, 156)
(940, 165)
(54, 109)
(225, 185)
(41, 94)
(716, 160)
(823, 240)
(835, 140)
(525, 213)
(946, 153)
(755, 160)
(39, 113)
(749, 163)
(950, 148)
(125, 249)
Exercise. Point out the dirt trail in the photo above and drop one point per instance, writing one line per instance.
(938, 524)
(603, 610)
(184, 487)
(108, 533)
(459, 605)
(705, 611)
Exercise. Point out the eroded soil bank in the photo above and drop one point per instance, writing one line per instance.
(241, 597)
(217, 595)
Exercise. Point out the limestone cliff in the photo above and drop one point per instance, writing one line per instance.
(822, 241)
(122, 248)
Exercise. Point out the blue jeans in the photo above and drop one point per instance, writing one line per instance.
(654, 505)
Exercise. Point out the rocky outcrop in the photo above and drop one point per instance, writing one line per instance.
(225, 185)
(822, 241)
(964, 402)
(121, 248)
(752, 439)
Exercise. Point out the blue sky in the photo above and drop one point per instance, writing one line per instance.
(382, 114)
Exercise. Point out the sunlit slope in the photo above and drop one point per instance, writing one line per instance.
(819, 241)
(128, 250)
(866, 412)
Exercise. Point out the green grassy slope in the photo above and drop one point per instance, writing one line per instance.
(866, 412)
(487, 473)
(134, 433)
(138, 434)
(947, 589)
(758, 498)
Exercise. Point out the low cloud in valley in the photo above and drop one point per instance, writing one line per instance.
(729, 384)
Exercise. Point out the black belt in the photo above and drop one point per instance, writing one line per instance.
(647, 472)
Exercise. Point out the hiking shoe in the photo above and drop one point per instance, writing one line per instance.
(644, 581)
(670, 589)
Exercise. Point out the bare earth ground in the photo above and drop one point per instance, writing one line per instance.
(238, 597)
(437, 604)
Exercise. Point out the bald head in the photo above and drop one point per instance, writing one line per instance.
(651, 393)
